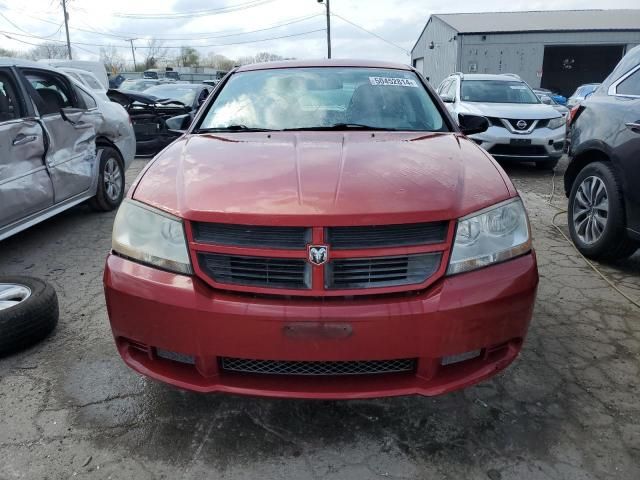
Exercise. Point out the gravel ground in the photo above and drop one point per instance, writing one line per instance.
(568, 408)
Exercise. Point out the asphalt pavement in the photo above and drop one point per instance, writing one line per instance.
(568, 408)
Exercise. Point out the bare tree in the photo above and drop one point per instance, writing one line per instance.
(188, 57)
(48, 50)
(154, 53)
(8, 53)
(219, 62)
(113, 61)
(267, 57)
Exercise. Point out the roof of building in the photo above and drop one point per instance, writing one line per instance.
(543, 21)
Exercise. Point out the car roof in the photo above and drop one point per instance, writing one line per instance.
(490, 76)
(21, 62)
(323, 63)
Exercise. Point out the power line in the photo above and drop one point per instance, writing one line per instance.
(6, 34)
(24, 31)
(208, 12)
(371, 33)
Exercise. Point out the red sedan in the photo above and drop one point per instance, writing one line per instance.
(322, 230)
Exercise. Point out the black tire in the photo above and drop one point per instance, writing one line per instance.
(547, 164)
(613, 243)
(104, 201)
(30, 320)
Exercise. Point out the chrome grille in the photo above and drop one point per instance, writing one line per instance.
(329, 368)
(293, 273)
(346, 273)
(251, 235)
(377, 236)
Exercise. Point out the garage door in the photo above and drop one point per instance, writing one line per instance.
(568, 66)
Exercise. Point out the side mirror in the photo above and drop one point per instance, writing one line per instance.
(447, 99)
(470, 124)
(546, 99)
(179, 124)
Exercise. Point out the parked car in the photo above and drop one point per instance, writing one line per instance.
(138, 85)
(521, 128)
(322, 229)
(148, 116)
(556, 97)
(602, 179)
(582, 92)
(191, 95)
(59, 146)
(96, 68)
(547, 100)
(115, 81)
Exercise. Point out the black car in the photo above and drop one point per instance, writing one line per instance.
(602, 180)
(149, 111)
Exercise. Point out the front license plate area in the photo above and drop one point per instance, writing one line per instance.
(520, 141)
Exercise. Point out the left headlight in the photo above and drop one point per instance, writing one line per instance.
(489, 236)
(151, 236)
(556, 123)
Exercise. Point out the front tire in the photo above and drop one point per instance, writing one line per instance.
(110, 190)
(596, 214)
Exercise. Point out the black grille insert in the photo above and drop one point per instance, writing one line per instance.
(329, 368)
(251, 235)
(293, 273)
(519, 150)
(386, 235)
(348, 273)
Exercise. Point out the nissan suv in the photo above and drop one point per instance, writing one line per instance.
(521, 127)
(322, 229)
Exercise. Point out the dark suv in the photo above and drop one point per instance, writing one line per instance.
(602, 180)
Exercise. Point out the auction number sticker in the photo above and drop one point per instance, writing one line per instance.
(393, 82)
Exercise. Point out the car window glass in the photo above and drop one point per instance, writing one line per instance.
(451, 90)
(630, 85)
(91, 81)
(50, 92)
(301, 98)
(88, 100)
(9, 102)
(497, 91)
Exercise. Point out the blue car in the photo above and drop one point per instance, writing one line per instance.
(559, 99)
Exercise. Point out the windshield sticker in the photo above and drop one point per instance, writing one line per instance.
(517, 87)
(394, 82)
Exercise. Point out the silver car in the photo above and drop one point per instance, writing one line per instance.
(521, 127)
(60, 145)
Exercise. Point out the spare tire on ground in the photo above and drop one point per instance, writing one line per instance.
(28, 312)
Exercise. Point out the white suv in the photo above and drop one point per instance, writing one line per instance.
(521, 127)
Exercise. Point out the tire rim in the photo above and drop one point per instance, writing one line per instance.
(590, 210)
(11, 294)
(112, 179)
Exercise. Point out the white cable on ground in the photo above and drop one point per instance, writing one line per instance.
(593, 267)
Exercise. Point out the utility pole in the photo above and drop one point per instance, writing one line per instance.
(326, 4)
(133, 52)
(66, 26)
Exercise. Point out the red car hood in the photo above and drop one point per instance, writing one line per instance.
(322, 178)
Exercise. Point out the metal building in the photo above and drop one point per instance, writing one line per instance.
(558, 50)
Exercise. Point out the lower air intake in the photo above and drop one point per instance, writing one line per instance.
(279, 367)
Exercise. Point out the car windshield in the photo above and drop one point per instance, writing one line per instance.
(183, 93)
(136, 85)
(497, 91)
(324, 98)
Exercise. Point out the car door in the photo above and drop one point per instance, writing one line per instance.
(626, 96)
(25, 186)
(71, 131)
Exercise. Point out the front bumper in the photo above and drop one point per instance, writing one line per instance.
(488, 310)
(542, 143)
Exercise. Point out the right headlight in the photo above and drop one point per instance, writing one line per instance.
(151, 236)
(556, 123)
(489, 236)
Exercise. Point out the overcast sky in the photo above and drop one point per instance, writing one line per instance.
(398, 21)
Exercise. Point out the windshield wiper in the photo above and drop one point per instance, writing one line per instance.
(341, 126)
(234, 128)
